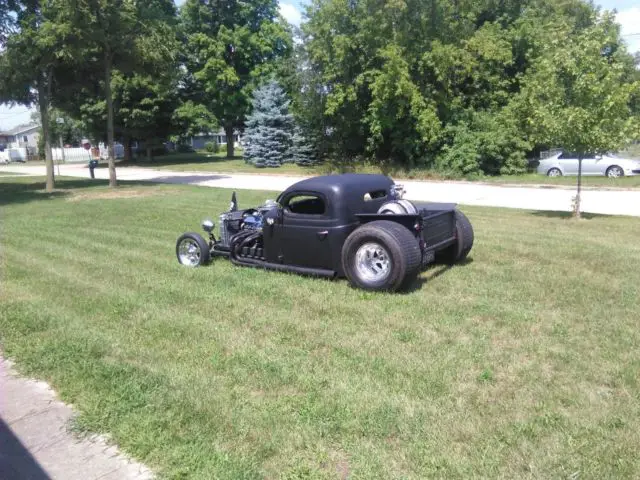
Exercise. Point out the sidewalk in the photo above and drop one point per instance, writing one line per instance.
(35, 443)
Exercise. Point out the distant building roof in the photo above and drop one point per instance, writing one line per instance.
(21, 129)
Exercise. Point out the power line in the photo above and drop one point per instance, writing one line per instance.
(13, 114)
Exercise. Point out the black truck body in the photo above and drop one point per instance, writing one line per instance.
(351, 225)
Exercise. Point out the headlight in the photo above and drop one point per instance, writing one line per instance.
(208, 225)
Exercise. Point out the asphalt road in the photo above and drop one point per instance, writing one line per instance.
(601, 201)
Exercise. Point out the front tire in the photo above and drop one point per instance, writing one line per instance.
(381, 256)
(614, 171)
(554, 172)
(192, 250)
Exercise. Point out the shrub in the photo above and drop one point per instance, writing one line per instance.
(212, 147)
(184, 148)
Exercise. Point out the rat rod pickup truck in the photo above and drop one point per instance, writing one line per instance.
(352, 225)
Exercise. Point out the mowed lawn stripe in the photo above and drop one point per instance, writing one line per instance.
(521, 363)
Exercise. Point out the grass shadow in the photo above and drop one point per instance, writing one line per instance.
(25, 190)
(567, 215)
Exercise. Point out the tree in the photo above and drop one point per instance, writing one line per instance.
(435, 83)
(303, 152)
(228, 46)
(125, 36)
(583, 95)
(191, 119)
(269, 128)
(31, 50)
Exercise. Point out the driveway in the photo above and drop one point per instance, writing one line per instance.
(608, 202)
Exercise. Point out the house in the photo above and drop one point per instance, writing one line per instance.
(20, 143)
(21, 136)
(220, 137)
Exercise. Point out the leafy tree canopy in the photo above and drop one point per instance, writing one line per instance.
(229, 46)
(437, 83)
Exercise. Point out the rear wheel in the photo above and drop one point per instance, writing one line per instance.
(614, 171)
(464, 241)
(381, 255)
(192, 250)
(554, 172)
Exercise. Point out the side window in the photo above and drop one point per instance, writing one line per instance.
(568, 156)
(305, 205)
(375, 195)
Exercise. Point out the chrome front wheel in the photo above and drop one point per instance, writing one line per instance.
(192, 250)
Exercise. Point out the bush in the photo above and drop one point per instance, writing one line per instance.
(212, 147)
(184, 148)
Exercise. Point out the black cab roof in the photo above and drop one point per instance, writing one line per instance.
(348, 194)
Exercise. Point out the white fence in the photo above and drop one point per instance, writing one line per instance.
(79, 154)
(71, 155)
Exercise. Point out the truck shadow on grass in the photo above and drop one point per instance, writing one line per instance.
(432, 273)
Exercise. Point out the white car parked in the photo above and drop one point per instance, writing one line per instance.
(566, 163)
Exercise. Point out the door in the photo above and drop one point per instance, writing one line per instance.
(301, 238)
(569, 163)
(590, 165)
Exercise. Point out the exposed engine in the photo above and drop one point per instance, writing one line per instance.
(241, 230)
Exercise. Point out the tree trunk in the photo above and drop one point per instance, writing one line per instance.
(43, 103)
(110, 127)
(576, 208)
(228, 131)
(127, 149)
(149, 152)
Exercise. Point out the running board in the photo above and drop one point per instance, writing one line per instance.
(278, 267)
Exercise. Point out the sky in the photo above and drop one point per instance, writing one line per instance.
(628, 17)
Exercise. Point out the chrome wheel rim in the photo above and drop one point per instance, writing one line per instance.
(189, 252)
(372, 262)
(554, 172)
(614, 172)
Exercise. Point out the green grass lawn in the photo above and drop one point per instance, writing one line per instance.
(202, 162)
(522, 363)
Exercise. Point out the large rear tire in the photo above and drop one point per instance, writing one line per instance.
(381, 255)
(464, 242)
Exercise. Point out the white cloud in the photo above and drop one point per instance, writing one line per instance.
(629, 19)
(291, 13)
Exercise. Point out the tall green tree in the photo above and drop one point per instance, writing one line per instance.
(126, 36)
(229, 45)
(582, 93)
(31, 49)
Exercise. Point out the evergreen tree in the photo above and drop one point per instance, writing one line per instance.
(303, 153)
(269, 129)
